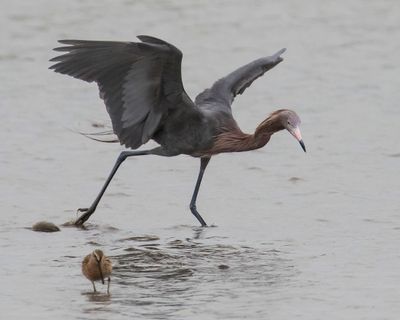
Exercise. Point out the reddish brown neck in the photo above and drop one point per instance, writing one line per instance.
(234, 140)
(268, 127)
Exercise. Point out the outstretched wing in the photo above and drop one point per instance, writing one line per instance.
(138, 81)
(225, 89)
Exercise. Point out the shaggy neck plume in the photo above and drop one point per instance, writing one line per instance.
(237, 141)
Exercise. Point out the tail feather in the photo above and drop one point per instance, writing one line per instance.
(91, 135)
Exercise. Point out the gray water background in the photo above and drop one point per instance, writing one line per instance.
(305, 236)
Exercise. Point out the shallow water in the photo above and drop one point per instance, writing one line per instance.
(295, 236)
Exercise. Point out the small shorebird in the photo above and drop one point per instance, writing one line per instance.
(97, 266)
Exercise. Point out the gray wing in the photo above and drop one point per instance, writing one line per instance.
(225, 89)
(138, 81)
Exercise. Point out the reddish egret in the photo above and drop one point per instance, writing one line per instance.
(141, 85)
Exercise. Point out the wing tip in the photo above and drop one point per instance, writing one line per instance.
(68, 42)
(278, 54)
(71, 42)
(150, 39)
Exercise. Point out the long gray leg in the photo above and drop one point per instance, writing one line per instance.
(203, 166)
(108, 286)
(87, 212)
(94, 287)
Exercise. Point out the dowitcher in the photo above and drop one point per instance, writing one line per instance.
(97, 266)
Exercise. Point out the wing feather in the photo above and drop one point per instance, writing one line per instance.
(138, 81)
(227, 88)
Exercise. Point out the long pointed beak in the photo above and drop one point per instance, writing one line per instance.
(303, 145)
(297, 134)
(101, 272)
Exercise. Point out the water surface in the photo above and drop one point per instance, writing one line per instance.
(295, 236)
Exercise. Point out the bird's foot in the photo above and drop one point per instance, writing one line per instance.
(87, 212)
(194, 211)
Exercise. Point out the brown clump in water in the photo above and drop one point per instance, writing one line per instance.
(44, 226)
